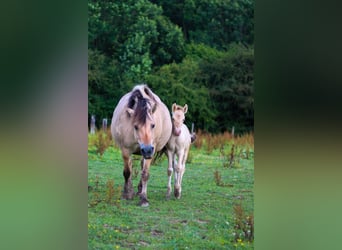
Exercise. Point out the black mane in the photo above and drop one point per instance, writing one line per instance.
(140, 105)
(135, 96)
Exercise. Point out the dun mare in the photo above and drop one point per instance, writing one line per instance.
(179, 144)
(141, 124)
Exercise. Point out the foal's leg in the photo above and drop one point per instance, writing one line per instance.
(182, 170)
(178, 170)
(128, 192)
(144, 178)
(170, 157)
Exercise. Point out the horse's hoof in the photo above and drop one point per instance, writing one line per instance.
(143, 202)
(128, 196)
(168, 193)
(177, 194)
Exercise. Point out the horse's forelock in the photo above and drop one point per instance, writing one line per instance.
(143, 104)
(142, 111)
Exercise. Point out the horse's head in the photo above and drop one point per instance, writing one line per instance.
(178, 117)
(142, 120)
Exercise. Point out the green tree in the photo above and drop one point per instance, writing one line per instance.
(170, 44)
(230, 80)
(176, 83)
(185, 50)
(104, 85)
(136, 34)
(126, 39)
(216, 23)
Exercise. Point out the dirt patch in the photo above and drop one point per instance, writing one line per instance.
(157, 233)
(183, 222)
(143, 243)
(201, 221)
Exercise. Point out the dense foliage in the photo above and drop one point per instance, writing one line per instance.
(198, 52)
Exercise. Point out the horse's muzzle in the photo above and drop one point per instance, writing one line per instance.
(147, 151)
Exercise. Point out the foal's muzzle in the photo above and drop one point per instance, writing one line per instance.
(147, 151)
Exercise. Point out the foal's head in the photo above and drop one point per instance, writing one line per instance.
(178, 117)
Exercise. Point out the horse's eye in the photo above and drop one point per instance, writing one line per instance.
(153, 125)
(135, 127)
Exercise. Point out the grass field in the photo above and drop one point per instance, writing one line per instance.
(214, 212)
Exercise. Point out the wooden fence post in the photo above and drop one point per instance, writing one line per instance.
(232, 153)
(92, 124)
(104, 124)
(193, 134)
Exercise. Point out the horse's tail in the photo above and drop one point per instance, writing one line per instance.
(193, 137)
(193, 134)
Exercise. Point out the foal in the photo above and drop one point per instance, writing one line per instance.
(178, 144)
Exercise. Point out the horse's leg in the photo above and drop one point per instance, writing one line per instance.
(127, 173)
(140, 182)
(178, 170)
(144, 179)
(170, 157)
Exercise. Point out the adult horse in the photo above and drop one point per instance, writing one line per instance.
(178, 145)
(141, 124)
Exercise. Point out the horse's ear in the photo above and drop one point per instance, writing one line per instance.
(185, 108)
(174, 106)
(130, 112)
(147, 91)
(153, 100)
(154, 107)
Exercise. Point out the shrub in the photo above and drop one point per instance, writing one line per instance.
(243, 225)
(218, 180)
(242, 147)
(102, 141)
(108, 193)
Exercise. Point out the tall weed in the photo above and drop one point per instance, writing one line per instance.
(102, 141)
(240, 147)
(218, 180)
(243, 225)
(107, 193)
(211, 141)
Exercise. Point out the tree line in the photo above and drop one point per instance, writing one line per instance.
(198, 52)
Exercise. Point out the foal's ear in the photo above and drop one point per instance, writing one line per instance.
(174, 106)
(185, 108)
(130, 112)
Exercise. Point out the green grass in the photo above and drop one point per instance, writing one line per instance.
(203, 218)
